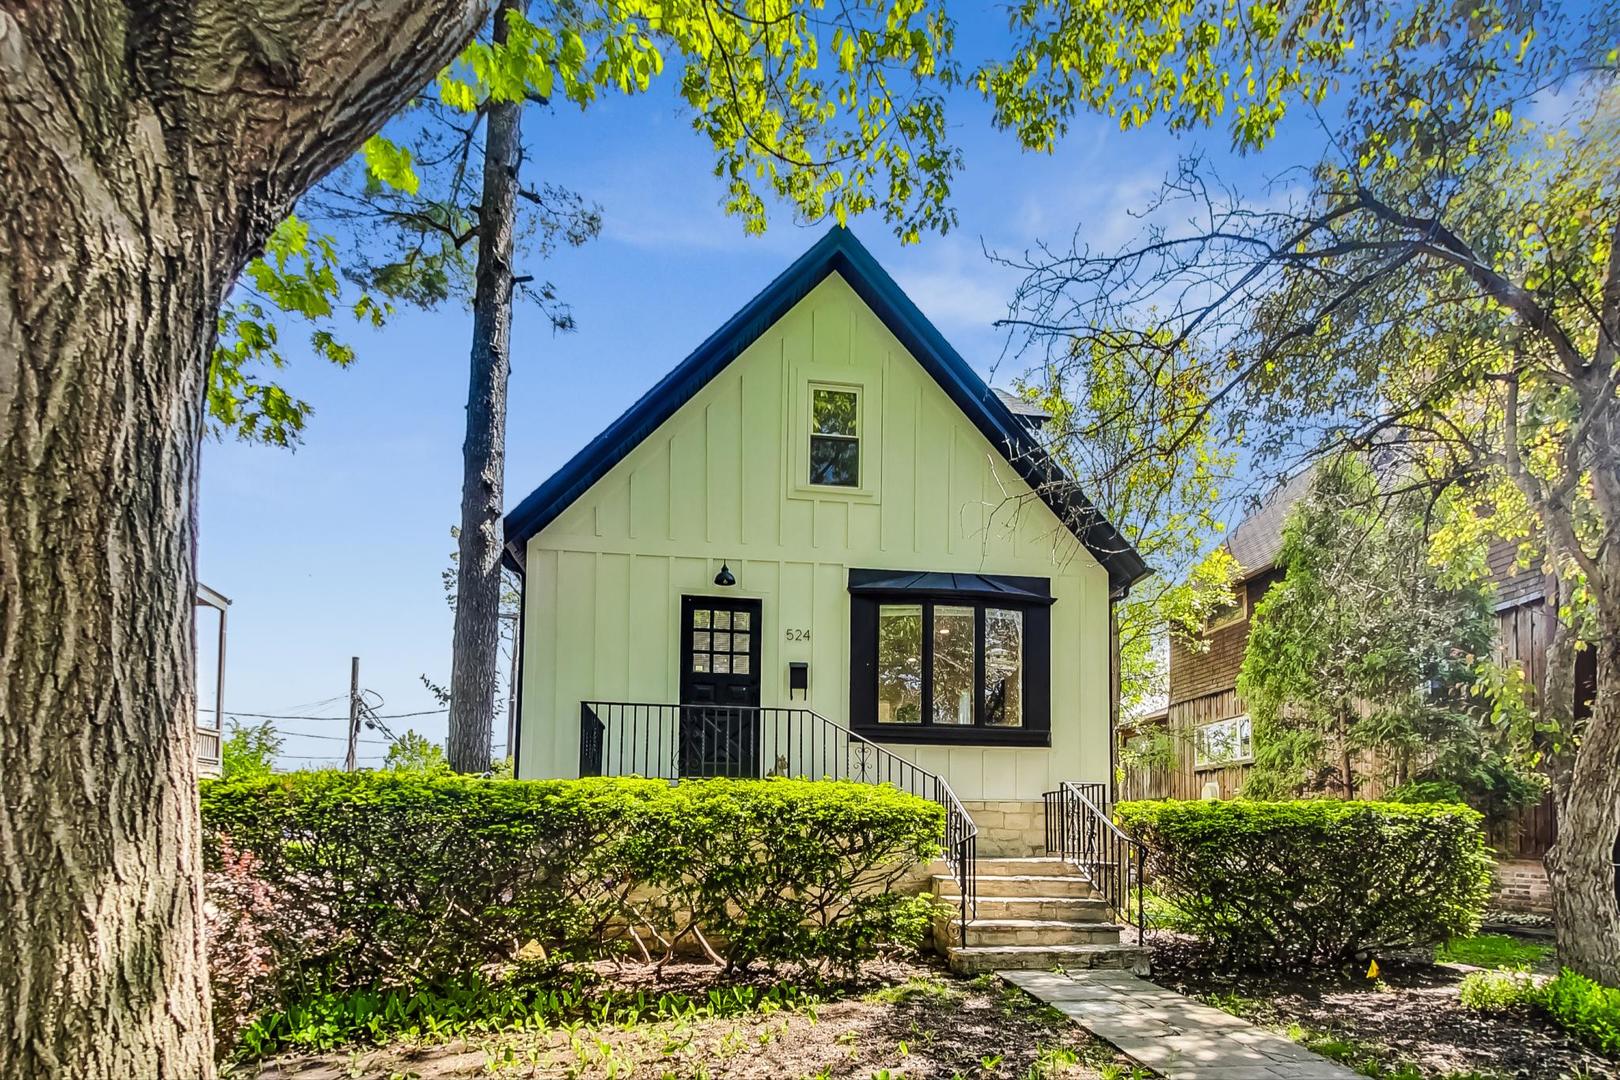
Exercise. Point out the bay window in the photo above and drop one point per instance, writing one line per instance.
(950, 658)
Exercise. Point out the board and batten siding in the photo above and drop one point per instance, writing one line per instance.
(723, 480)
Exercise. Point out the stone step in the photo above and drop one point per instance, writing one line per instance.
(1042, 885)
(1072, 909)
(1048, 865)
(976, 959)
(989, 932)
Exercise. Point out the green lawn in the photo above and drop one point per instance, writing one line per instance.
(1492, 951)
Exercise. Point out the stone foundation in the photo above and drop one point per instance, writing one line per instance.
(1009, 829)
(1521, 885)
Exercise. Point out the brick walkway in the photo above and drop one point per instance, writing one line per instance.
(1175, 1036)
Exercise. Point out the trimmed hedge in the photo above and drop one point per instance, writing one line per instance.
(327, 882)
(1315, 881)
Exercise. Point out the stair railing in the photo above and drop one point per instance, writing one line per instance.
(1081, 831)
(673, 742)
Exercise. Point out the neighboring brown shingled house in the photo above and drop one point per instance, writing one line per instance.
(1204, 710)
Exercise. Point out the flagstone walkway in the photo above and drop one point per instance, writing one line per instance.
(1170, 1033)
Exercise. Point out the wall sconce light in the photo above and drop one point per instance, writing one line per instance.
(798, 679)
(724, 578)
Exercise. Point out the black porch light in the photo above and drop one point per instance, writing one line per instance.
(724, 578)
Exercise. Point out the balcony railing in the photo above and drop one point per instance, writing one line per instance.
(676, 742)
(1081, 831)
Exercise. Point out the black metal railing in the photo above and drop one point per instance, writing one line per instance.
(676, 742)
(1080, 829)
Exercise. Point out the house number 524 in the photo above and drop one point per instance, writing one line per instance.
(796, 634)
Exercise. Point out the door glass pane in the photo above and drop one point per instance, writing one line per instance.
(739, 664)
(953, 665)
(1003, 667)
(722, 642)
(700, 618)
(722, 620)
(722, 663)
(700, 640)
(899, 664)
(739, 643)
(739, 620)
(700, 662)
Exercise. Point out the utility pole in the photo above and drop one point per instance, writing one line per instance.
(354, 713)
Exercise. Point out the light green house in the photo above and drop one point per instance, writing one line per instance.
(823, 546)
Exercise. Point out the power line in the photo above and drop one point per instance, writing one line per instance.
(288, 716)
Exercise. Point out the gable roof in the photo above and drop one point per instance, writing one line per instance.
(836, 252)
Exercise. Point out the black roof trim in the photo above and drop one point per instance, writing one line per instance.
(1024, 590)
(838, 251)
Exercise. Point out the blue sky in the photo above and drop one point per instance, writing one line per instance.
(336, 549)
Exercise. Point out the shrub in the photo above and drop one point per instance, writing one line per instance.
(413, 880)
(1588, 1010)
(1492, 991)
(799, 871)
(1317, 881)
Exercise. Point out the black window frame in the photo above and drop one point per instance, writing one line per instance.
(1033, 600)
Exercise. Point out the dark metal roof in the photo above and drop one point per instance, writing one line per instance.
(836, 252)
(982, 586)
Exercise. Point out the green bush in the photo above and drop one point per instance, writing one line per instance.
(1588, 1010)
(414, 880)
(1316, 881)
(1492, 991)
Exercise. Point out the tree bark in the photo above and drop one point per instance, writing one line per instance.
(476, 643)
(145, 153)
(1581, 865)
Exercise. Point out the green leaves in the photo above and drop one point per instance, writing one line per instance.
(1320, 881)
(297, 278)
(389, 164)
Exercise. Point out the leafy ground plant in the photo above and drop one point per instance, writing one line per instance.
(906, 1021)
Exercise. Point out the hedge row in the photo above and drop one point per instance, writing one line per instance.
(1317, 881)
(327, 882)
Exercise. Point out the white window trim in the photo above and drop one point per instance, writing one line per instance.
(1202, 761)
(1238, 614)
(811, 434)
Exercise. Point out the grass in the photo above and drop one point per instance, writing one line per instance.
(1492, 951)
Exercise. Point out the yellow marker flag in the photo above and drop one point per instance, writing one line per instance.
(1372, 969)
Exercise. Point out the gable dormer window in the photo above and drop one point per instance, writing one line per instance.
(835, 438)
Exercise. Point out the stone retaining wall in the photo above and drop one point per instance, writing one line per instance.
(1009, 829)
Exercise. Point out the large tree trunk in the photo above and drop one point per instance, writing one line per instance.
(1581, 866)
(145, 152)
(102, 320)
(476, 644)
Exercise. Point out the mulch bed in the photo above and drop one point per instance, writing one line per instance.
(906, 1019)
(1411, 1013)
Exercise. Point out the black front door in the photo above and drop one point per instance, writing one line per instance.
(719, 686)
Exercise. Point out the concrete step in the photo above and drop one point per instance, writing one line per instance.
(1090, 909)
(995, 932)
(976, 959)
(1047, 865)
(1051, 886)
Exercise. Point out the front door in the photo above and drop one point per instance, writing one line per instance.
(719, 686)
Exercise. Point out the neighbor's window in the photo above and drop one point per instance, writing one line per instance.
(835, 444)
(941, 665)
(1223, 742)
(1230, 614)
(899, 666)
